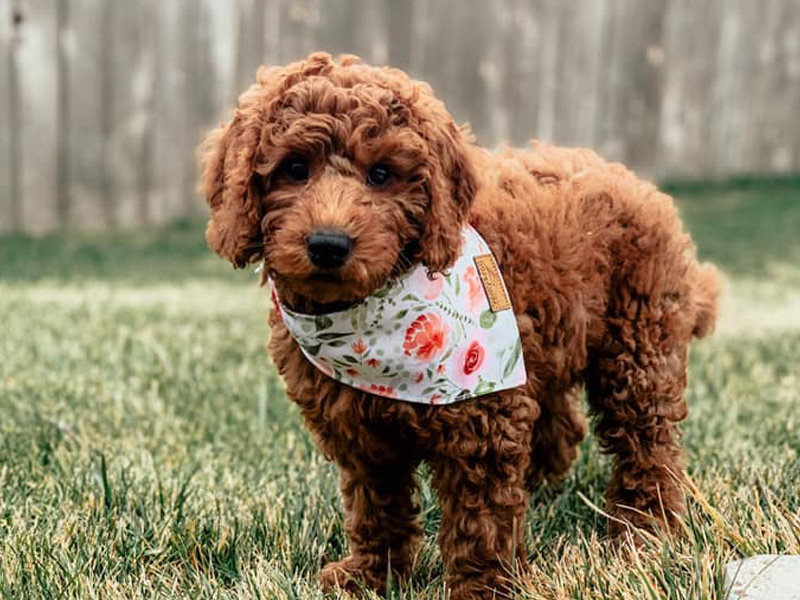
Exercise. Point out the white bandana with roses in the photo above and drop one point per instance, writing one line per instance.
(427, 339)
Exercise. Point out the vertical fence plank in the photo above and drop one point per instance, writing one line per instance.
(432, 59)
(335, 15)
(86, 143)
(322, 26)
(199, 95)
(580, 57)
(146, 92)
(6, 195)
(692, 35)
(494, 72)
(792, 45)
(63, 196)
(399, 23)
(169, 146)
(249, 42)
(734, 66)
(472, 67)
(301, 21)
(38, 76)
(775, 99)
(221, 33)
(108, 50)
(522, 49)
(629, 107)
(131, 80)
(548, 72)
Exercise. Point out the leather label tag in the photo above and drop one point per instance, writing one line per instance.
(492, 283)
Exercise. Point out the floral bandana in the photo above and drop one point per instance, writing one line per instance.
(432, 340)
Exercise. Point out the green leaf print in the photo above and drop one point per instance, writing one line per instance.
(513, 359)
(322, 322)
(484, 387)
(331, 336)
(488, 318)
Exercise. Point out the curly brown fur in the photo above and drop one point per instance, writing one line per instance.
(604, 283)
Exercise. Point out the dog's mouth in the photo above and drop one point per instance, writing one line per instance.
(321, 291)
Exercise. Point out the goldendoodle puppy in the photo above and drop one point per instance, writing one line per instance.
(544, 272)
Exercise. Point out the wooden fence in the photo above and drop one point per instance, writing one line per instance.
(102, 102)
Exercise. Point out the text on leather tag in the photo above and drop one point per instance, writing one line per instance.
(492, 283)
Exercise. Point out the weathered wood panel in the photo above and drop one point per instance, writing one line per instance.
(103, 102)
(172, 143)
(37, 72)
(6, 64)
(89, 189)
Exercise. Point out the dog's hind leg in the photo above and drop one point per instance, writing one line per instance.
(382, 523)
(636, 385)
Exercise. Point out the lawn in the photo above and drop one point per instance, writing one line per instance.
(147, 449)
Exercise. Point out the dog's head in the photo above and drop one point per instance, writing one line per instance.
(338, 175)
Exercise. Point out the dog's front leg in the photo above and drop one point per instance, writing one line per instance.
(479, 475)
(382, 522)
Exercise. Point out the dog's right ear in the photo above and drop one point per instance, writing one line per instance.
(226, 157)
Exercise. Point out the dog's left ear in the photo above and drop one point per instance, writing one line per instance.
(451, 187)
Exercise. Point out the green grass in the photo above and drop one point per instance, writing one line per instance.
(147, 449)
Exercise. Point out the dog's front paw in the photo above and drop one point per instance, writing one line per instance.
(346, 575)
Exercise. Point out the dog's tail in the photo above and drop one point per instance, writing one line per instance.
(706, 296)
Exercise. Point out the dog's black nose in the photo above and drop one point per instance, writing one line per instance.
(329, 249)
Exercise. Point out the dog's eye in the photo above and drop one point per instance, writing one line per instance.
(378, 175)
(295, 169)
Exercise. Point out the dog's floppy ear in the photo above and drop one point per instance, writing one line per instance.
(451, 187)
(226, 158)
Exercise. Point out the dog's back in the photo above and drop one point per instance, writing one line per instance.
(567, 219)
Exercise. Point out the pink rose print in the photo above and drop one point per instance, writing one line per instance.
(359, 347)
(473, 359)
(425, 337)
(474, 289)
(467, 364)
(435, 398)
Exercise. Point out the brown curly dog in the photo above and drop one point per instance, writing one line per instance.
(604, 283)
